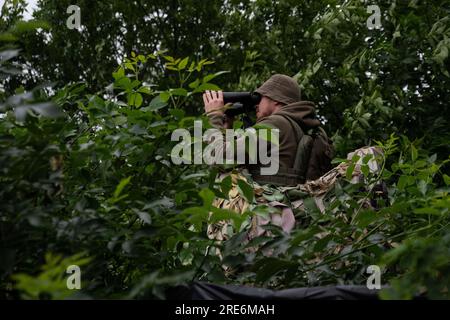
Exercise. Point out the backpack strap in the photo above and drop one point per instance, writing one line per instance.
(297, 174)
(321, 154)
(297, 129)
(304, 147)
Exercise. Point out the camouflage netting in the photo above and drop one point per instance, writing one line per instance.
(286, 199)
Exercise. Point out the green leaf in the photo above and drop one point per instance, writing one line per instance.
(270, 267)
(212, 76)
(135, 99)
(31, 25)
(197, 215)
(349, 172)
(432, 158)
(202, 63)
(367, 158)
(422, 185)
(135, 83)
(169, 58)
(207, 86)
(192, 66)
(164, 96)
(245, 190)
(364, 122)
(180, 198)
(144, 216)
(323, 243)
(120, 73)
(365, 170)
(275, 196)
(338, 160)
(225, 185)
(156, 104)
(124, 83)
(122, 184)
(177, 113)
(366, 217)
(446, 179)
(129, 66)
(219, 214)
(150, 168)
(355, 158)
(264, 211)
(183, 63)
(207, 196)
(427, 211)
(405, 181)
(179, 92)
(7, 37)
(194, 84)
(186, 257)
(414, 153)
(145, 90)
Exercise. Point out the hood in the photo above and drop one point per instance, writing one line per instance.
(303, 112)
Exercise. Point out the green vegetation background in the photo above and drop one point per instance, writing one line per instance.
(86, 120)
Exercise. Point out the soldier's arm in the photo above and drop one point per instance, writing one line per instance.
(214, 108)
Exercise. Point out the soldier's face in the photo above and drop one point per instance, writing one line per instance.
(266, 107)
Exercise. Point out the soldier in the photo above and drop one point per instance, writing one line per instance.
(305, 151)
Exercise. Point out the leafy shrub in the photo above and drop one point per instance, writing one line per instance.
(88, 172)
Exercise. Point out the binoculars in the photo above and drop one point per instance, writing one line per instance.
(242, 102)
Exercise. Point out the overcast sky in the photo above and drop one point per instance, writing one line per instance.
(30, 8)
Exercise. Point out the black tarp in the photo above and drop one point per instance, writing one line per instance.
(208, 291)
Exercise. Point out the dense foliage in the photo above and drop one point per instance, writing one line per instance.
(86, 120)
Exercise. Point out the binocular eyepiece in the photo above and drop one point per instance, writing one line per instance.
(243, 102)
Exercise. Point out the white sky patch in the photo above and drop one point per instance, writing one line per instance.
(31, 7)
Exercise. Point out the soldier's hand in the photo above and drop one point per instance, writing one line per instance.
(213, 101)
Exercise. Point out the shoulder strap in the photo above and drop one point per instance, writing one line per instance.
(296, 174)
(304, 145)
(298, 130)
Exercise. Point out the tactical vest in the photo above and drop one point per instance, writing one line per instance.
(312, 158)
